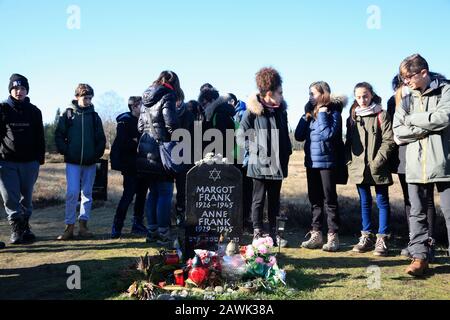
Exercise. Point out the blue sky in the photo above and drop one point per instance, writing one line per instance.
(123, 45)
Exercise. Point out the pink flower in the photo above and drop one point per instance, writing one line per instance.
(257, 242)
(262, 249)
(269, 242)
(249, 252)
(259, 260)
(272, 261)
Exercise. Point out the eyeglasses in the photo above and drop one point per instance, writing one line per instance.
(408, 78)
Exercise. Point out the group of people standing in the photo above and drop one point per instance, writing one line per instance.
(411, 138)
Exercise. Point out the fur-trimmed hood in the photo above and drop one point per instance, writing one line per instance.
(340, 100)
(211, 107)
(337, 102)
(256, 107)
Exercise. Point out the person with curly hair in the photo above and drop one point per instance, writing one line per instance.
(264, 133)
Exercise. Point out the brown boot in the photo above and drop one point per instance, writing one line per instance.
(68, 233)
(417, 267)
(84, 231)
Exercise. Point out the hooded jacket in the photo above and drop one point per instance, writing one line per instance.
(126, 142)
(322, 135)
(79, 135)
(219, 115)
(369, 145)
(268, 142)
(423, 121)
(21, 132)
(157, 122)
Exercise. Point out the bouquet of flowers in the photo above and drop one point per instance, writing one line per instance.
(261, 263)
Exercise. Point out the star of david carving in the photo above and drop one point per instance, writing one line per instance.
(215, 175)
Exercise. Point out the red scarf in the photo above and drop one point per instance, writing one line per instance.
(168, 86)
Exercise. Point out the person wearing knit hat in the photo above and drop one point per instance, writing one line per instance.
(17, 80)
(22, 150)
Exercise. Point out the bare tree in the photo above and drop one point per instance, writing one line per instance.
(109, 105)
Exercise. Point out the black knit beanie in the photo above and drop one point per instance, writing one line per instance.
(17, 80)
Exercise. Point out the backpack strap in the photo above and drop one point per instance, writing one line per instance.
(379, 120)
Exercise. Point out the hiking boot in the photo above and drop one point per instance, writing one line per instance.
(431, 250)
(28, 236)
(16, 231)
(366, 243)
(381, 249)
(405, 253)
(417, 268)
(332, 244)
(84, 231)
(68, 233)
(2, 245)
(315, 242)
(138, 227)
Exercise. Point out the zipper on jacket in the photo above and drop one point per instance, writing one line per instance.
(424, 146)
(82, 138)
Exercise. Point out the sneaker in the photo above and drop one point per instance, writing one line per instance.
(138, 227)
(116, 232)
(381, 249)
(27, 235)
(315, 242)
(366, 243)
(332, 244)
(164, 239)
(405, 253)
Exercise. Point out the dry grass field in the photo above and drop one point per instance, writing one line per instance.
(38, 271)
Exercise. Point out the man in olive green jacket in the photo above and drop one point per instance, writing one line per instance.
(81, 139)
(422, 120)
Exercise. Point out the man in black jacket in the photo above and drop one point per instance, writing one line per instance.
(22, 151)
(123, 158)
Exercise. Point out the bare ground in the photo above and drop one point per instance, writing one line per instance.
(38, 271)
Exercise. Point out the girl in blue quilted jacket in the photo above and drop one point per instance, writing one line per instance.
(321, 129)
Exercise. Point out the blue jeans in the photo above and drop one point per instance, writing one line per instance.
(159, 204)
(16, 187)
(384, 208)
(79, 178)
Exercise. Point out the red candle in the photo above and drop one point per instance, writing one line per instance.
(179, 277)
(172, 259)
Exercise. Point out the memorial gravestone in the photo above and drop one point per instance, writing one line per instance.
(214, 207)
